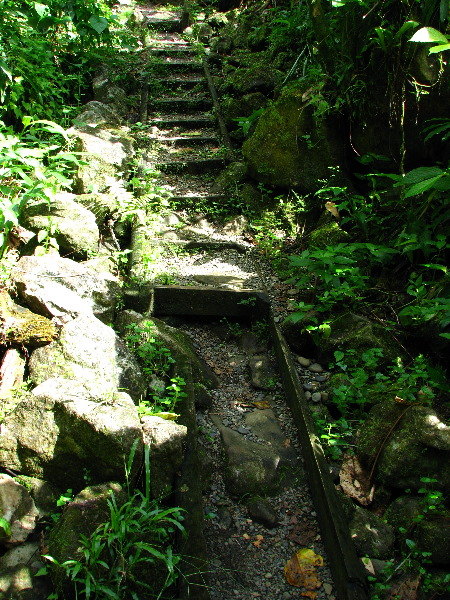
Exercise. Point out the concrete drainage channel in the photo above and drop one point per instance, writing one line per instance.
(181, 305)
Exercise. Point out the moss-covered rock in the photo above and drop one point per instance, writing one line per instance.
(230, 178)
(352, 331)
(88, 510)
(328, 234)
(289, 148)
(405, 444)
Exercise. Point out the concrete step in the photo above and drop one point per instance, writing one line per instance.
(192, 167)
(184, 122)
(181, 105)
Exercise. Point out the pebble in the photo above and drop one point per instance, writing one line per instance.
(315, 368)
(243, 430)
(305, 362)
(316, 397)
(308, 387)
(320, 378)
(325, 396)
(308, 395)
(327, 588)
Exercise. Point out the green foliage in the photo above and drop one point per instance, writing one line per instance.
(32, 166)
(135, 541)
(246, 123)
(365, 381)
(337, 437)
(156, 361)
(155, 358)
(338, 274)
(37, 42)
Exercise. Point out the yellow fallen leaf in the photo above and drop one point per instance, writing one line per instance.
(262, 404)
(259, 540)
(300, 572)
(167, 415)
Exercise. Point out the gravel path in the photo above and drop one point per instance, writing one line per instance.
(246, 558)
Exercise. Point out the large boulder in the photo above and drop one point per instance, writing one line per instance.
(59, 287)
(97, 114)
(166, 439)
(290, 148)
(71, 224)
(18, 509)
(109, 154)
(82, 516)
(91, 352)
(59, 432)
(409, 443)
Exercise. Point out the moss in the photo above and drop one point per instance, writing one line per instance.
(22, 326)
(328, 235)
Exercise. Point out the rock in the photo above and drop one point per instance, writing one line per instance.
(252, 344)
(55, 433)
(110, 153)
(254, 78)
(107, 92)
(88, 510)
(433, 535)
(304, 362)
(96, 114)
(253, 468)
(286, 156)
(315, 368)
(227, 181)
(178, 342)
(12, 372)
(72, 225)
(371, 536)
(16, 583)
(16, 507)
(60, 287)
(21, 326)
(328, 234)
(203, 398)
(91, 352)
(20, 555)
(353, 331)
(165, 440)
(316, 397)
(43, 493)
(235, 108)
(262, 373)
(402, 511)
(103, 205)
(418, 444)
(261, 510)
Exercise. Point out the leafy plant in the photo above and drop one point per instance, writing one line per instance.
(164, 404)
(155, 358)
(136, 540)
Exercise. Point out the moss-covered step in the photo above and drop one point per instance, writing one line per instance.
(193, 167)
(185, 105)
(184, 122)
(179, 82)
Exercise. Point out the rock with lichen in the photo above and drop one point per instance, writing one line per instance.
(21, 326)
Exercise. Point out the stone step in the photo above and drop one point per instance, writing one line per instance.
(192, 167)
(180, 65)
(161, 24)
(173, 50)
(186, 141)
(207, 198)
(181, 105)
(181, 83)
(181, 121)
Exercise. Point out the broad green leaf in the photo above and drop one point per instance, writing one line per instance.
(440, 48)
(6, 71)
(421, 187)
(429, 34)
(418, 175)
(5, 525)
(51, 127)
(98, 23)
(41, 9)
